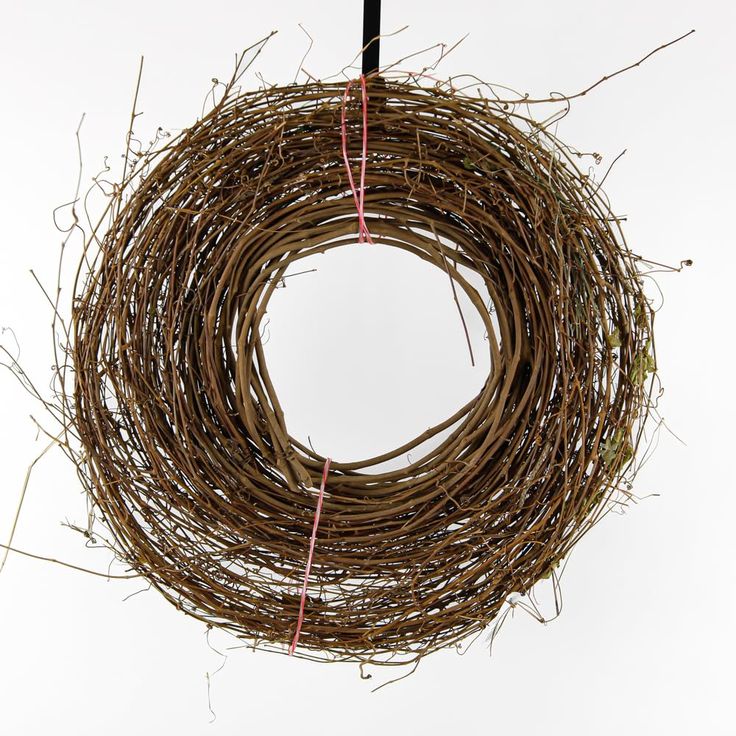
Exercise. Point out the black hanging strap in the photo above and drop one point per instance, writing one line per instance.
(371, 32)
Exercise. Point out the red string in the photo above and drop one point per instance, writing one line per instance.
(317, 513)
(358, 194)
(363, 235)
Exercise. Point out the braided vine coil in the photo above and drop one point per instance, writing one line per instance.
(186, 448)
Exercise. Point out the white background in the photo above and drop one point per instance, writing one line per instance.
(645, 643)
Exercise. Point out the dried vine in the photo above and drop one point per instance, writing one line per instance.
(186, 449)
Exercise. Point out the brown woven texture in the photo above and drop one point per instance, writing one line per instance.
(186, 449)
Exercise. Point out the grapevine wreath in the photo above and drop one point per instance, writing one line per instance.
(185, 447)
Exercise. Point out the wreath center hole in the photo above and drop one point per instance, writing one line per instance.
(368, 351)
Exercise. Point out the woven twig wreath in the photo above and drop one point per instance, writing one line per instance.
(186, 448)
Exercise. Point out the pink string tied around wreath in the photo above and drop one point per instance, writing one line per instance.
(307, 570)
(358, 193)
(363, 236)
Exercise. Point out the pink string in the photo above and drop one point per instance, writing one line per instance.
(317, 513)
(363, 235)
(358, 195)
